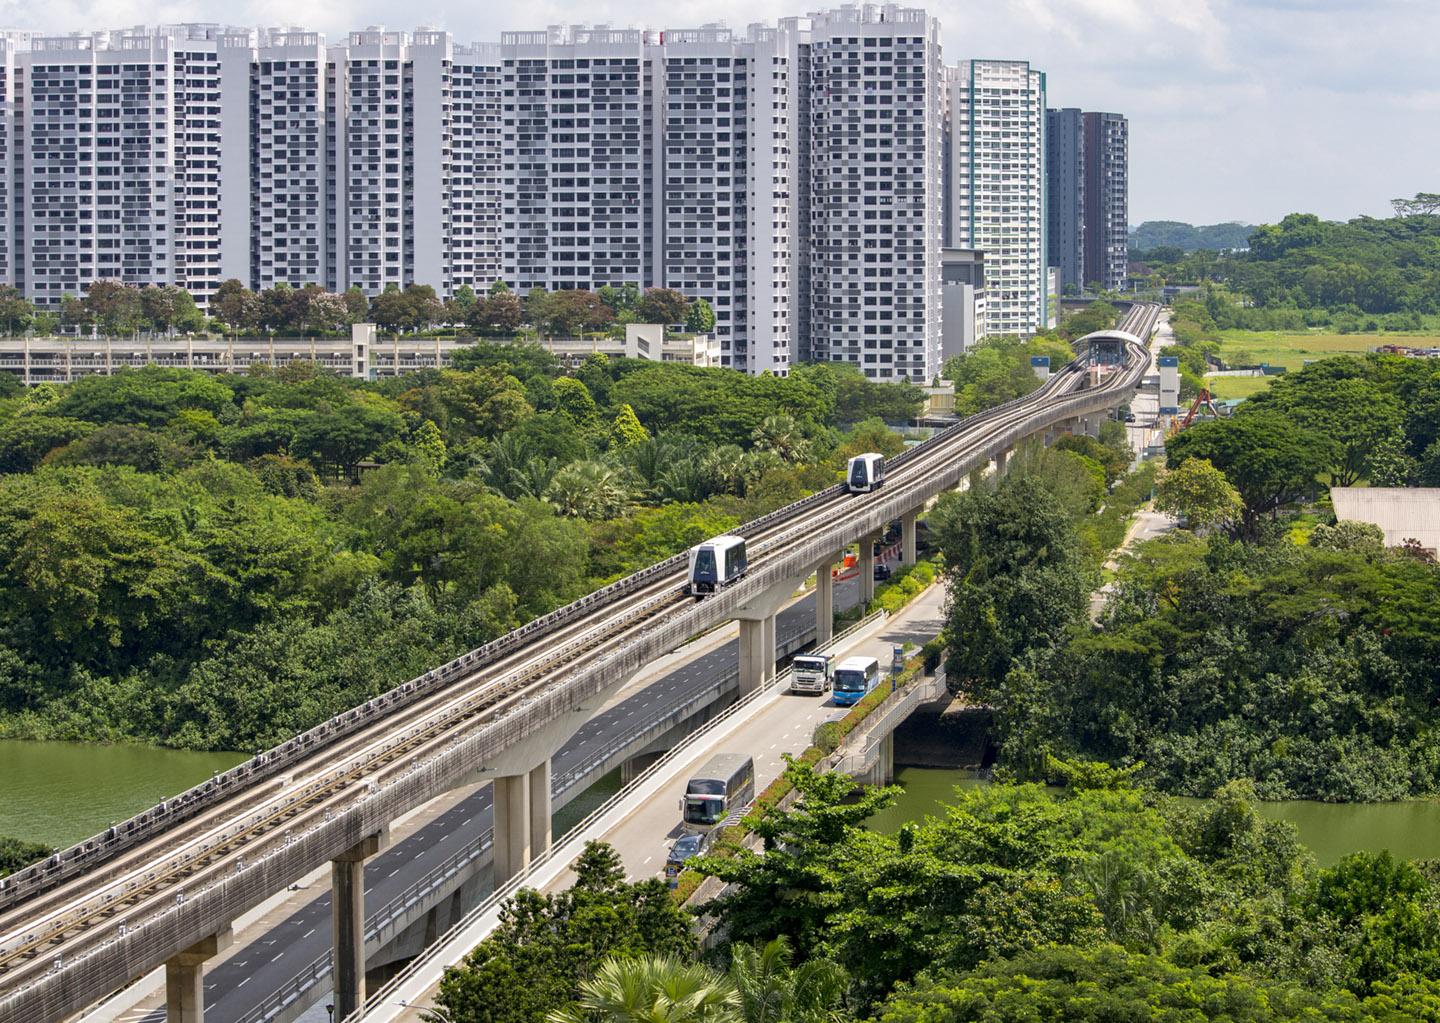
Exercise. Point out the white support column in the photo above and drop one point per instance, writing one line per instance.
(1002, 463)
(824, 603)
(185, 978)
(511, 795)
(867, 568)
(347, 913)
(540, 808)
(757, 652)
(907, 538)
(768, 646)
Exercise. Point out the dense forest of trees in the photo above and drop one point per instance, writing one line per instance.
(1307, 272)
(1174, 234)
(1260, 643)
(218, 562)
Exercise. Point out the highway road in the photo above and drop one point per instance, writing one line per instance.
(1145, 403)
(785, 726)
(287, 939)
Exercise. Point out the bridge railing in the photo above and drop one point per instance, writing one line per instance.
(923, 692)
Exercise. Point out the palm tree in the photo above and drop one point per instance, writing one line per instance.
(770, 991)
(590, 489)
(502, 470)
(757, 463)
(652, 989)
(684, 480)
(1126, 895)
(651, 459)
(781, 435)
(724, 467)
(535, 478)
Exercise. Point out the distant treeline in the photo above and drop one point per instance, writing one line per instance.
(1152, 233)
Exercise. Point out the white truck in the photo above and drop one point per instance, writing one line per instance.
(810, 673)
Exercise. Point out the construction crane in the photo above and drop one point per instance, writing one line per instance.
(1203, 398)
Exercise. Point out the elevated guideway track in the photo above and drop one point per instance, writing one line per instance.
(91, 918)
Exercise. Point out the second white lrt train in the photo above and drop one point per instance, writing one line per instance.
(716, 563)
(865, 473)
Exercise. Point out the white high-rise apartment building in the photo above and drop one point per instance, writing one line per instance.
(477, 148)
(876, 202)
(577, 183)
(731, 106)
(997, 187)
(799, 177)
(11, 155)
(113, 146)
(291, 166)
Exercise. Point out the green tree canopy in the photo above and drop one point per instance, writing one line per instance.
(1270, 460)
(546, 946)
(1198, 492)
(1018, 580)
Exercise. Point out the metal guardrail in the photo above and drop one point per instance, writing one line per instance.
(857, 763)
(572, 838)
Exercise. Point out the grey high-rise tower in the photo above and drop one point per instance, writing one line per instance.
(1065, 180)
(1107, 198)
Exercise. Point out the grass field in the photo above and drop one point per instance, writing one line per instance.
(1248, 348)
(1243, 347)
(1225, 388)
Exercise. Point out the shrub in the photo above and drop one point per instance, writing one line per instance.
(826, 737)
(931, 653)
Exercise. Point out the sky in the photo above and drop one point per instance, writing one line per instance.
(1239, 109)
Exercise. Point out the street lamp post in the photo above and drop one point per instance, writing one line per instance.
(425, 1008)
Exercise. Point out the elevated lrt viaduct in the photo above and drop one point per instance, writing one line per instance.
(164, 887)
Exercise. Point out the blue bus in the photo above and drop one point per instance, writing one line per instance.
(855, 677)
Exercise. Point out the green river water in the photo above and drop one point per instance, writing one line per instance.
(61, 792)
(1409, 830)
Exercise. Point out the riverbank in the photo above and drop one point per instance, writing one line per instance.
(1409, 830)
(58, 793)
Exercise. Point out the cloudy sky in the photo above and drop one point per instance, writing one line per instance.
(1239, 109)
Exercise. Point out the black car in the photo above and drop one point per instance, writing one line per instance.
(882, 570)
(1129, 417)
(687, 846)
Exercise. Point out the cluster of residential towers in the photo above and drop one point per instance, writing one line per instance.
(807, 179)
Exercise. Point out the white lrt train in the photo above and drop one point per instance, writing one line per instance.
(865, 473)
(716, 563)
